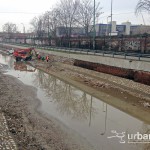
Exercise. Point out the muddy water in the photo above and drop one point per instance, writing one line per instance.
(89, 117)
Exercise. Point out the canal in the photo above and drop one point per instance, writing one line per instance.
(90, 118)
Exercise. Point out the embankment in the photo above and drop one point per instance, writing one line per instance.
(130, 68)
(136, 75)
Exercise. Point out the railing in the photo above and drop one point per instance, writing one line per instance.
(107, 53)
(124, 55)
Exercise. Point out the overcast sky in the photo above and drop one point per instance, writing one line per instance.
(19, 11)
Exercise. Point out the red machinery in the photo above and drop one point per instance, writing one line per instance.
(25, 54)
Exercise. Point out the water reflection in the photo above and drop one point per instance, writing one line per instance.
(7, 60)
(21, 66)
(91, 118)
(81, 107)
(105, 122)
(69, 100)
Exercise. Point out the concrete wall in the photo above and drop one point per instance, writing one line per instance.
(117, 62)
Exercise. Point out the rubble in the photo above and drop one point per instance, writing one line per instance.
(146, 104)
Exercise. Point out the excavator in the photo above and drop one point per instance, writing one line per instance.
(24, 54)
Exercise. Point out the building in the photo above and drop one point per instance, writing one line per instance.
(125, 28)
(121, 29)
(139, 29)
(75, 31)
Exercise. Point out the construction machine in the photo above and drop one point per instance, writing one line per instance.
(24, 54)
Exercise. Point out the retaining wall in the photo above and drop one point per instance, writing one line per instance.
(138, 76)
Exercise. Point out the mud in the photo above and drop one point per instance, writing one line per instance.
(120, 91)
(30, 129)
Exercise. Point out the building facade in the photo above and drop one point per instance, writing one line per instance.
(75, 31)
(125, 28)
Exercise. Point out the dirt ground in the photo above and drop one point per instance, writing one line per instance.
(32, 130)
(136, 94)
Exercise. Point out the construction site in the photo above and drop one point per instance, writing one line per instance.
(72, 101)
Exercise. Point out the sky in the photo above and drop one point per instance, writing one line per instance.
(21, 12)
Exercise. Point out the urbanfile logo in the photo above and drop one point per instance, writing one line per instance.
(118, 135)
(131, 138)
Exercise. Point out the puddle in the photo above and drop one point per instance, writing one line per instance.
(88, 116)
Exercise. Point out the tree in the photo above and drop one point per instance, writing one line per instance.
(142, 5)
(51, 22)
(10, 28)
(38, 26)
(85, 13)
(67, 13)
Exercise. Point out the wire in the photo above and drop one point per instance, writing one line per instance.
(119, 14)
(19, 13)
(124, 13)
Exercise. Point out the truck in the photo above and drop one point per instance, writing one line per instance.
(23, 54)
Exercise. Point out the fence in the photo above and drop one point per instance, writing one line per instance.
(138, 44)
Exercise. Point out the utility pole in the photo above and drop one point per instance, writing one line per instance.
(48, 31)
(23, 28)
(24, 33)
(111, 25)
(107, 33)
(111, 15)
(94, 31)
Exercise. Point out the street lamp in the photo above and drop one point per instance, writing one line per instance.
(94, 27)
(23, 28)
(24, 33)
(111, 23)
(111, 15)
(107, 33)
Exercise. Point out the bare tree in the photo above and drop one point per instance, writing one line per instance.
(10, 28)
(38, 26)
(67, 101)
(85, 13)
(54, 21)
(51, 22)
(40, 29)
(34, 24)
(66, 10)
(142, 5)
(68, 17)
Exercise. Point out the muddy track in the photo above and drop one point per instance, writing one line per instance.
(115, 83)
(31, 129)
(118, 96)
